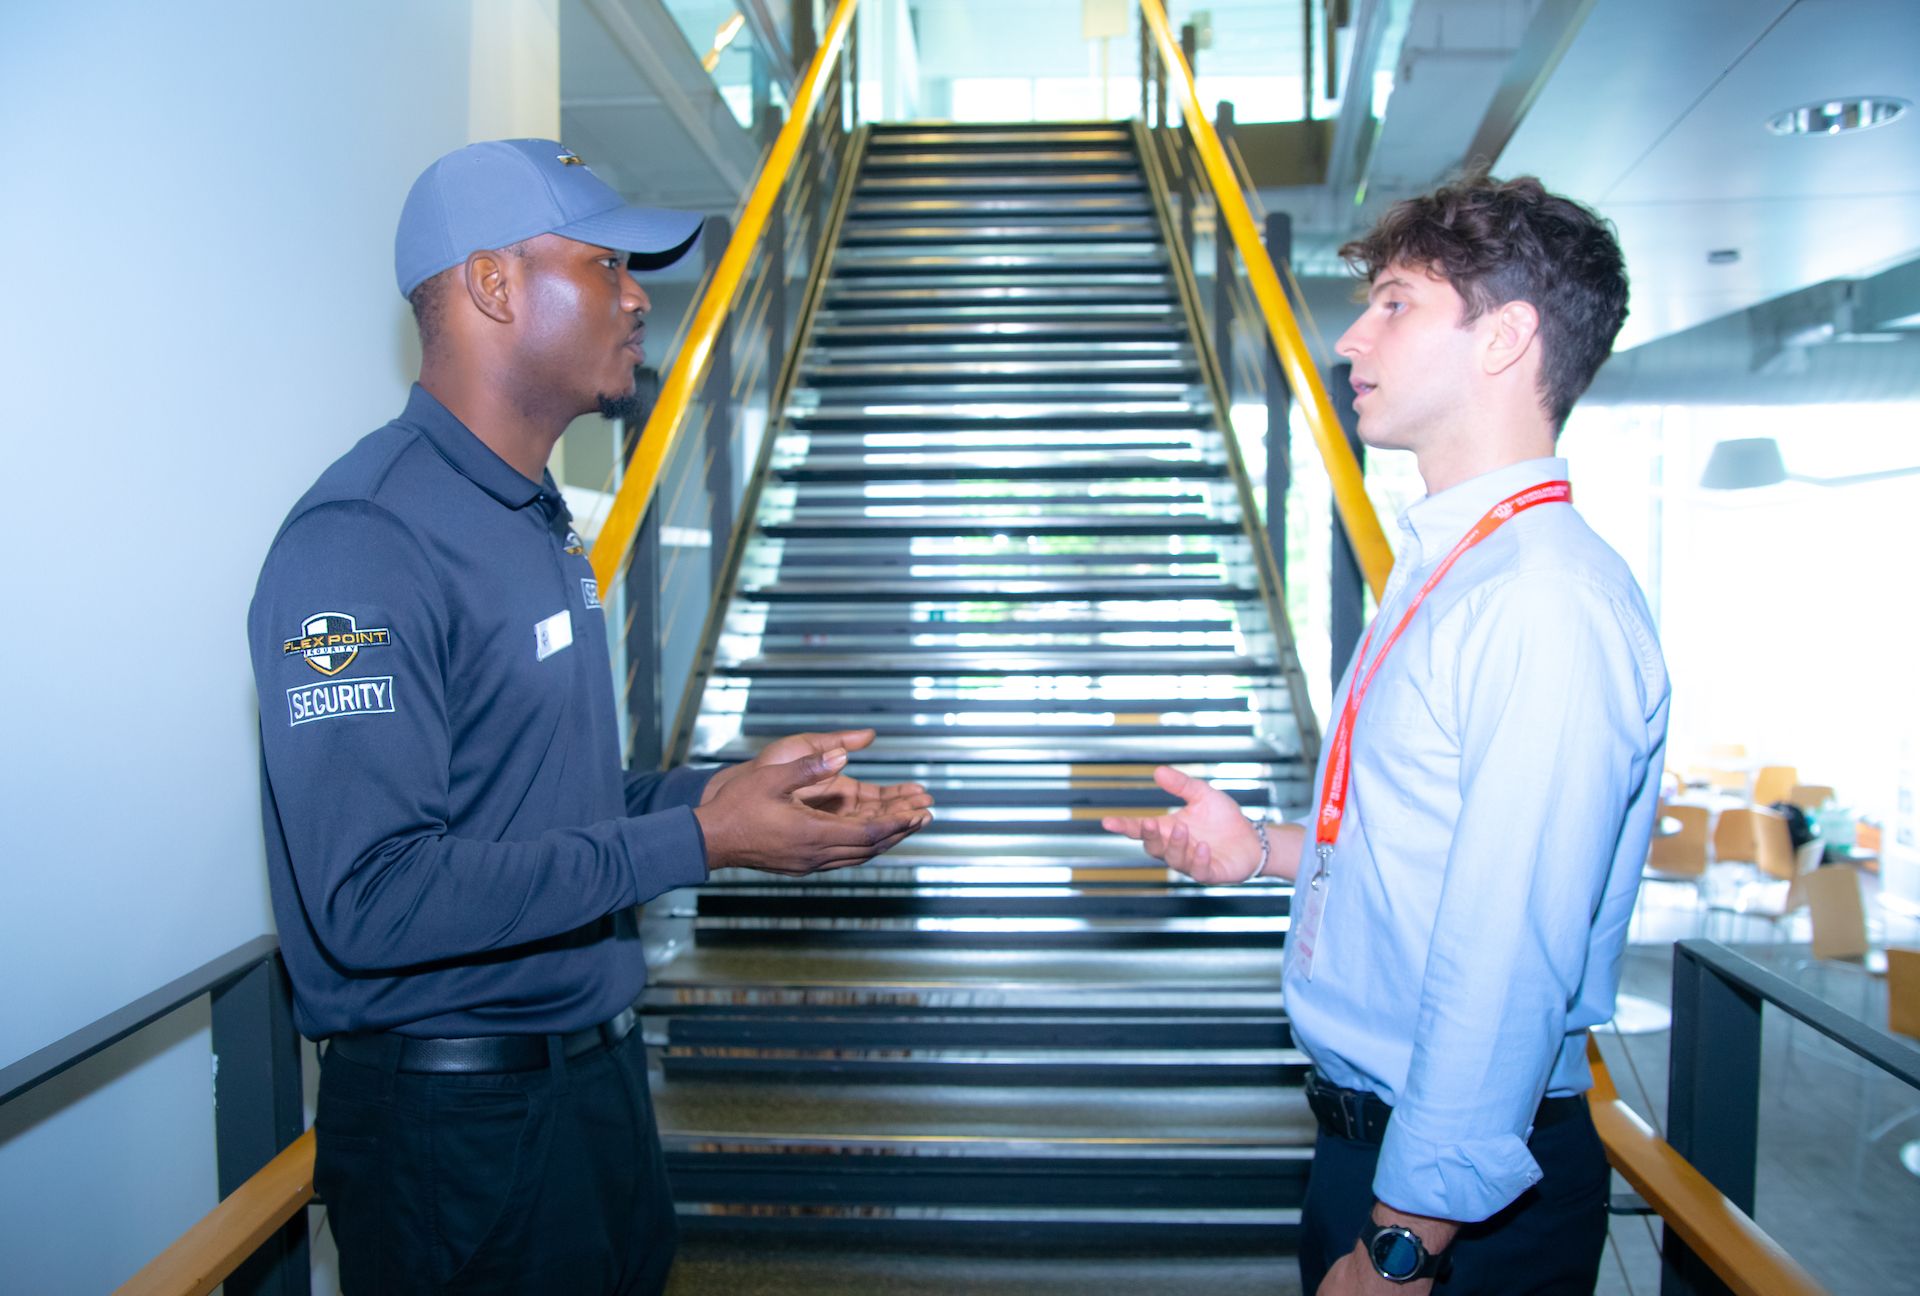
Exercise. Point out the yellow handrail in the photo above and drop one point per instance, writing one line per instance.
(208, 1253)
(1720, 1233)
(690, 366)
(1349, 488)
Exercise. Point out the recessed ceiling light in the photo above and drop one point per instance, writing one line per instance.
(1837, 116)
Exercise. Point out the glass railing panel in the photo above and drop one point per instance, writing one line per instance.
(721, 37)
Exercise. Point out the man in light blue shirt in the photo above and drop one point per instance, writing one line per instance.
(1483, 805)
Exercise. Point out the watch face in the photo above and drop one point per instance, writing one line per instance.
(1396, 1254)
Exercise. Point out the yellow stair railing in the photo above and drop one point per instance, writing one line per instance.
(669, 416)
(1350, 499)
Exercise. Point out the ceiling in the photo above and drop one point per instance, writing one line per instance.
(1656, 115)
(1653, 111)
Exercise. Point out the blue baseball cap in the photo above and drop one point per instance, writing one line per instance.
(499, 192)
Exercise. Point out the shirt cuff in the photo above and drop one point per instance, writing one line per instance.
(684, 785)
(1464, 1180)
(667, 851)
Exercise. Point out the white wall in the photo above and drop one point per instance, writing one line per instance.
(196, 215)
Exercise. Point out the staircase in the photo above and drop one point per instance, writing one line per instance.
(1000, 525)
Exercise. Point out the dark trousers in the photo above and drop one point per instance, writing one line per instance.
(538, 1181)
(1548, 1242)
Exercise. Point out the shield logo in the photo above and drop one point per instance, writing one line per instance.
(329, 623)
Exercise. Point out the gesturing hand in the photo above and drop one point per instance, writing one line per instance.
(838, 793)
(1208, 838)
(759, 820)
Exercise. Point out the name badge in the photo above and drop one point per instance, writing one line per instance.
(552, 634)
(1309, 904)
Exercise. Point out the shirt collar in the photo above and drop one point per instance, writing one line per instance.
(1436, 522)
(468, 453)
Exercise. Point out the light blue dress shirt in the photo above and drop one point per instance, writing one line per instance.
(1506, 768)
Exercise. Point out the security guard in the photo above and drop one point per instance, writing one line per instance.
(454, 851)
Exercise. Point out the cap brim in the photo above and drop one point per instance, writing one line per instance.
(652, 237)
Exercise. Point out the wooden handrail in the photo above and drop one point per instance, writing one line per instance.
(208, 1253)
(696, 352)
(1720, 1233)
(1350, 499)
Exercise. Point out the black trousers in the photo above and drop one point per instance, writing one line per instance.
(1548, 1242)
(539, 1181)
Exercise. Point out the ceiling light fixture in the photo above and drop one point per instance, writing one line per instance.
(1744, 463)
(1838, 116)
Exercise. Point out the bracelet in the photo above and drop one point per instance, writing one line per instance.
(1266, 848)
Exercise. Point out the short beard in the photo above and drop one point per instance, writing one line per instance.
(631, 408)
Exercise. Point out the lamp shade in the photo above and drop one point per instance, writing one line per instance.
(1743, 463)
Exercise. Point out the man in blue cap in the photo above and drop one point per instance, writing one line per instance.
(455, 853)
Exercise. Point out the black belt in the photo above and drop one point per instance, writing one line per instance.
(476, 1054)
(1362, 1117)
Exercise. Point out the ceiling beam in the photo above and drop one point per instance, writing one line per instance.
(1548, 36)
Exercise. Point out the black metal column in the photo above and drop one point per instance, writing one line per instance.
(1223, 268)
(776, 249)
(1279, 411)
(641, 586)
(1189, 181)
(257, 1113)
(1713, 1101)
(723, 417)
(1347, 614)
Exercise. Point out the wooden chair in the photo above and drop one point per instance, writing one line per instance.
(1903, 991)
(1683, 855)
(1838, 915)
(1809, 796)
(1680, 857)
(1756, 864)
(1773, 782)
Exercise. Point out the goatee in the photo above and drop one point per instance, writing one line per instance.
(631, 408)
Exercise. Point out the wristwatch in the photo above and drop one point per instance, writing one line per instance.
(1398, 1254)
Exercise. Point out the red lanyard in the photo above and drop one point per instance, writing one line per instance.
(1333, 794)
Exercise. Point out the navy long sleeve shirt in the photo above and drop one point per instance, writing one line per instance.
(452, 845)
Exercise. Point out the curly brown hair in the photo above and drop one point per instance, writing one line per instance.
(1497, 241)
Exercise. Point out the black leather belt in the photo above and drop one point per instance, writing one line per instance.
(476, 1054)
(1362, 1117)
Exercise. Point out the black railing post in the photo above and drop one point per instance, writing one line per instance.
(1279, 233)
(1189, 182)
(642, 591)
(1713, 1100)
(1223, 267)
(1346, 613)
(723, 415)
(257, 1113)
(1159, 88)
(853, 72)
(776, 248)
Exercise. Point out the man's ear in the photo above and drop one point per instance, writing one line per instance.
(1514, 330)
(485, 277)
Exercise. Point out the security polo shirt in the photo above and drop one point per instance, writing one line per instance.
(452, 846)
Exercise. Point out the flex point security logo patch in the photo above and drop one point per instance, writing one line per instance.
(329, 641)
(311, 702)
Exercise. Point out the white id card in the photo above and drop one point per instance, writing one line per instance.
(552, 634)
(1309, 903)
